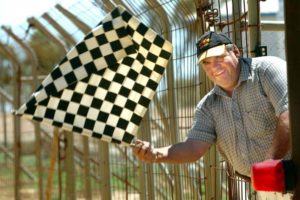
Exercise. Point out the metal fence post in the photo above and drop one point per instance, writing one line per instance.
(253, 27)
(293, 62)
(17, 121)
(104, 171)
(4, 121)
(81, 25)
(70, 167)
(32, 56)
(174, 128)
(69, 39)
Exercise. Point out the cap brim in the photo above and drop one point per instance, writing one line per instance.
(215, 51)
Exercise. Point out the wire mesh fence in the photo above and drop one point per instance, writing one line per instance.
(40, 162)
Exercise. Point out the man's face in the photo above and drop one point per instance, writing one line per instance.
(223, 70)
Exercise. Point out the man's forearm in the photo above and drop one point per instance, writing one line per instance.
(165, 155)
(281, 143)
(183, 152)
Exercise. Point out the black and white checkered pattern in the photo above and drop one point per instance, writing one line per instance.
(103, 87)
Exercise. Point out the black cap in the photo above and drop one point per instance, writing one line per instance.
(209, 40)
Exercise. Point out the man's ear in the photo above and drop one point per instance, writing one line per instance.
(236, 51)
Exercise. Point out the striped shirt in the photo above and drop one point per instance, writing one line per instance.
(243, 125)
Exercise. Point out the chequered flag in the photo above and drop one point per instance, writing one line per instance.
(104, 85)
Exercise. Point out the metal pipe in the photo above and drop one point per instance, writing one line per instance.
(237, 9)
(70, 167)
(4, 123)
(17, 121)
(254, 26)
(85, 140)
(60, 29)
(41, 28)
(174, 130)
(148, 169)
(105, 171)
(292, 33)
(86, 168)
(272, 25)
(34, 60)
(80, 24)
(6, 96)
(24, 169)
(106, 5)
(210, 158)
(32, 78)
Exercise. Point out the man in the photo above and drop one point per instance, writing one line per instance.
(245, 114)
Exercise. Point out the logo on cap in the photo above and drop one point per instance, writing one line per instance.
(204, 42)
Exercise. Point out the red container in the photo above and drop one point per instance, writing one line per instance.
(268, 176)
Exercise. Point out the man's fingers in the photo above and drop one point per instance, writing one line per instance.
(136, 146)
(143, 150)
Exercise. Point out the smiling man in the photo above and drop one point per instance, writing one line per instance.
(245, 114)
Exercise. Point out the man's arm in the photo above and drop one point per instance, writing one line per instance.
(281, 143)
(188, 151)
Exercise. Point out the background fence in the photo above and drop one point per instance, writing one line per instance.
(38, 162)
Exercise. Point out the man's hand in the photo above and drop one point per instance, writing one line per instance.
(145, 151)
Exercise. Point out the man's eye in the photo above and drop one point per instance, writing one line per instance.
(205, 62)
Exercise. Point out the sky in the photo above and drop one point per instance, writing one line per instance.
(16, 12)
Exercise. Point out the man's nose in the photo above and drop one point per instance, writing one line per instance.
(216, 65)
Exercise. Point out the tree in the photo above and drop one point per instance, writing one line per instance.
(47, 52)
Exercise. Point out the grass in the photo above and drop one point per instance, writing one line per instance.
(29, 162)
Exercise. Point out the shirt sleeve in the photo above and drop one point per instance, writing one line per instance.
(203, 125)
(274, 82)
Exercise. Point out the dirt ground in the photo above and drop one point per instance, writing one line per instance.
(27, 129)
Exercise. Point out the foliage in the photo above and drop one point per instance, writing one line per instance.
(5, 73)
(47, 52)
